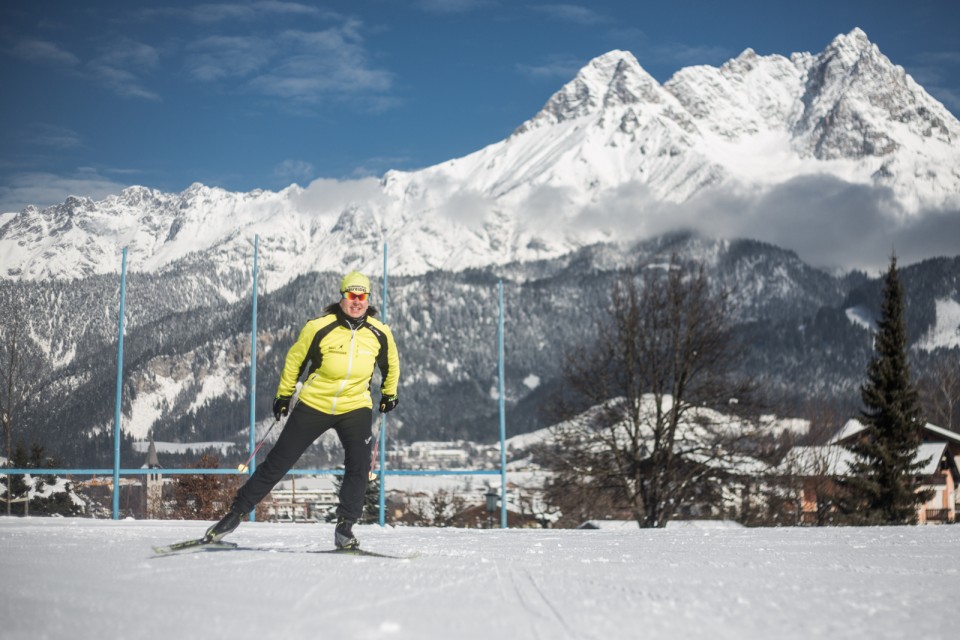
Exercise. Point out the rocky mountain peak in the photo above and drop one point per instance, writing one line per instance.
(854, 100)
(610, 80)
(850, 47)
(600, 160)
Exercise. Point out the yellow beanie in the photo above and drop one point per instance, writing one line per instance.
(355, 281)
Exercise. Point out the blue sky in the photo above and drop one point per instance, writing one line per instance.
(100, 95)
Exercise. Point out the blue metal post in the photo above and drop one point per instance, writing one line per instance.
(116, 413)
(253, 366)
(503, 423)
(383, 417)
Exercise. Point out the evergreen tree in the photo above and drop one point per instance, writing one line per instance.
(49, 497)
(371, 501)
(883, 482)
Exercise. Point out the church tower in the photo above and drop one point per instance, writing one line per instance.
(152, 485)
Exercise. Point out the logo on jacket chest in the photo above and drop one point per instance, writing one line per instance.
(344, 350)
(340, 350)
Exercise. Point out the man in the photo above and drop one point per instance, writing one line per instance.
(338, 352)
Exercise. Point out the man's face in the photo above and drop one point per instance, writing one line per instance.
(353, 305)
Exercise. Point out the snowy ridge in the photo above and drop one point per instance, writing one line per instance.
(606, 158)
(946, 332)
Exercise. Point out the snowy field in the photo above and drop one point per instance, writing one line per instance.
(79, 578)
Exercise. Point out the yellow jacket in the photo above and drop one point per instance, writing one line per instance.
(340, 359)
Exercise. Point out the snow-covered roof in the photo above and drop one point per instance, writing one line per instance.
(931, 453)
(854, 426)
(851, 428)
(831, 460)
(836, 460)
(950, 436)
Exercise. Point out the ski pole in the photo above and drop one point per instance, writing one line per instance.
(373, 458)
(244, 466)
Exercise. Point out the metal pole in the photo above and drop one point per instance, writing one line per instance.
(383, 417)
(116, 413)
(253, 368)
(503, 424)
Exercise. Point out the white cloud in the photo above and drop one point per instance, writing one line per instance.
(218, 57)
(378, 165)
(571, 13)
(829, 223)
(466, 207)
(46, 189)
(564, 68)
(210, 13)
(45, 52)
(322, 62)
(294, 171)
(685, 55)
(53, 136)
(452, 6)
(303, 67)
(325, 195)
(122, 64)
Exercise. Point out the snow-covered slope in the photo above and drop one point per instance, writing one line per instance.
(92, 579)
(607, 157)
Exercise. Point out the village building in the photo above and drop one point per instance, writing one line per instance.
(816, 469)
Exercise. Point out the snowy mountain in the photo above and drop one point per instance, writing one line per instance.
(588, 189)
(187, 346)
(612, 155)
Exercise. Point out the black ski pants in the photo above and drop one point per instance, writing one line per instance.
(302, 428)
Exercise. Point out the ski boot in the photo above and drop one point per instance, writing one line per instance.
(226, 526)
(343, 536)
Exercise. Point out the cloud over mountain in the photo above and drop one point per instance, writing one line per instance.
(840, 156)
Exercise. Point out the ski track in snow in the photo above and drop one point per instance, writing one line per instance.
(96, 579)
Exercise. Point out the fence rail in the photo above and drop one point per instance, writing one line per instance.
(116, 472)
(292, 472)
(940, 515)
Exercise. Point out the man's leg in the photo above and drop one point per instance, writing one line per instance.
(302, 427)
(356, 437)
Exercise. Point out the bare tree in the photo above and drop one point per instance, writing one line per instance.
(939, 389)
(576, 492)
(809, 471)
(806, 481)
(660, 377)
(440, 508)
(204, 496)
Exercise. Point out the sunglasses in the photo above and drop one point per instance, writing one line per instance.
(351, 295)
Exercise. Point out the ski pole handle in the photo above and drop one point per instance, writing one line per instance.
(244, 466)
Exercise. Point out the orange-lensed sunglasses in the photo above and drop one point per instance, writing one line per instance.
(351, 295)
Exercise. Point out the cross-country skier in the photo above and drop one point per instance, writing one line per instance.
(338, 350)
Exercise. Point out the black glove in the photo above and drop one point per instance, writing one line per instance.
(387, 403)
(280, 406)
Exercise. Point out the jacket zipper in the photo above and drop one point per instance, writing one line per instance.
(343, 383)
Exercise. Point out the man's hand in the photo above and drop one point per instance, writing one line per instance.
(388, 403)
(280, 406)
